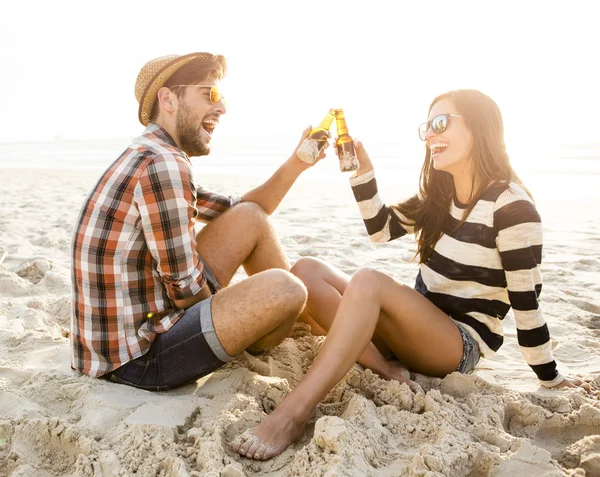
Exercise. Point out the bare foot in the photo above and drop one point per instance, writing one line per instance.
(398, 372)
(269, 438)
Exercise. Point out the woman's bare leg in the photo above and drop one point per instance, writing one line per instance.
(326, 285)
(421, 335)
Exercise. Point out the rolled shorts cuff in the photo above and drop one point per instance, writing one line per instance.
(208, 329)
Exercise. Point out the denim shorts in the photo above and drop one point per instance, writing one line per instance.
(187, 351)
(471, 351)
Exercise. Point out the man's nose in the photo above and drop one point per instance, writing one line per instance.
(220, 107)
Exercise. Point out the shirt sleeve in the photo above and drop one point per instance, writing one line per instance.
(383, 223)
(211, 204)
(166, 199)
(519, 242)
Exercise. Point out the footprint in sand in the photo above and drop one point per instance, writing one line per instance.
(585, 305)
(593, 322)
(34, 270)
(302, 238)
(589, 263)
(360, 244)
(308, 252)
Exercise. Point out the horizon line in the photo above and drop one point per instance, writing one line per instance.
(58, 140)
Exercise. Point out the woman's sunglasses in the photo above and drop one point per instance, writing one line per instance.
(438, 124)
(215, 94)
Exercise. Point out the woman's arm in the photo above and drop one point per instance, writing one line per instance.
(519, 242)
(383, 223)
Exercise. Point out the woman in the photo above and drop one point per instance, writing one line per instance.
(479, 246)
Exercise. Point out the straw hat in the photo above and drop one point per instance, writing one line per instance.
(154, 75)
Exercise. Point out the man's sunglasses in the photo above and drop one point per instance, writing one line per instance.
(438, 124)
(215, 94)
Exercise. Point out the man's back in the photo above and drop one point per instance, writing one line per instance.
(143, 204)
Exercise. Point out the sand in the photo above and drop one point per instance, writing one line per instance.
(496, 422)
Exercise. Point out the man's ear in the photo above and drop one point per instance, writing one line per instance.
(167, 99)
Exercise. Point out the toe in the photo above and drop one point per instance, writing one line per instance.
(246, 441)
(256, 445)
(236, 443)
(261, 453)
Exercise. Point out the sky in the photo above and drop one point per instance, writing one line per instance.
(69, 67)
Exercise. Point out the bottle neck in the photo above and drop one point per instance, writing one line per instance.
(342, 129)
(327, 122)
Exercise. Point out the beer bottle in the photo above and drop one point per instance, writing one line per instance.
(344, 144)
(316, 141)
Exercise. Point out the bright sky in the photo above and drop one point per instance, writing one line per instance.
(69, 67)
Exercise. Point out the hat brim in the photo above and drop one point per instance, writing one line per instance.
(148, 97)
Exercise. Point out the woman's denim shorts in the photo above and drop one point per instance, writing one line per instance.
(471, 351)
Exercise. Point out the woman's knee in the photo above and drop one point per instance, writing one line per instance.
(367, 281)
(308, 268)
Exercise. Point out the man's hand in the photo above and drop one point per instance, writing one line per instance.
(185, 303)
(299, 161)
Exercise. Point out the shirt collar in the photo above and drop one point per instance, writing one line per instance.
(160, 134)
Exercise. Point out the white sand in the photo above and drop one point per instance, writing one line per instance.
(55, 422)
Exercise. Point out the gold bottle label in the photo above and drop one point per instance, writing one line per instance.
(344, 144)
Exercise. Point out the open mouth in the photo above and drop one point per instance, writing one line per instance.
(437, 148)
(209, 125)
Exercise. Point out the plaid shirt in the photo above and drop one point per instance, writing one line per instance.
(134, 250)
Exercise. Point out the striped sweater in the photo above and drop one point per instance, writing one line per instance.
(477, 272)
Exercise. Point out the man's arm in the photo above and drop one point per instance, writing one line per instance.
(165, 197)
(270, 194)
(212, 204)
(185, 303)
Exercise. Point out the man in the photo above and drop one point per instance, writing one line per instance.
(146, 311)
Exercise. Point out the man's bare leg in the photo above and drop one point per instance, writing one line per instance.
(241, 236)
(418, 332)
(249, 312)
(244, 236)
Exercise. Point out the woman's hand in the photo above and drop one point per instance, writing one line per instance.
(569, 383)
(590, 386)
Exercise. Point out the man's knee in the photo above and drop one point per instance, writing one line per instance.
(248, 217)
(291, 291)
(250, 211)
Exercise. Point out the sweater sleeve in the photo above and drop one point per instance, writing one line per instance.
(520, 242)
(383, 223)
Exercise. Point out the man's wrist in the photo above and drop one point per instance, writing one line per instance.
(294, 165)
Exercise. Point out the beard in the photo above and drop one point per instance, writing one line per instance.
(188, 128)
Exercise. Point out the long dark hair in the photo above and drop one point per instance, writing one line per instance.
(490, 163)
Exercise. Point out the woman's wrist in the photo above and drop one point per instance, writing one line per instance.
(363, 170)
(363, 174)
